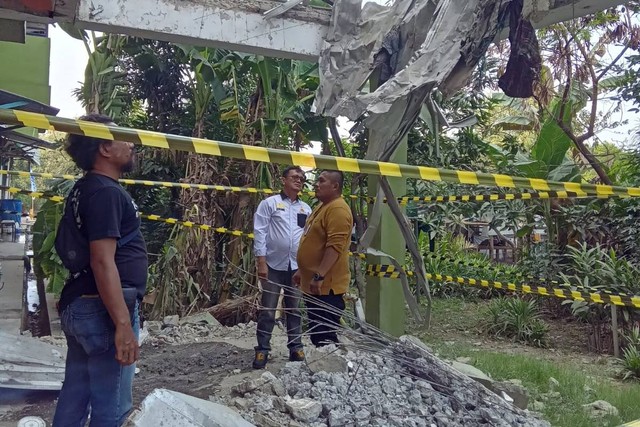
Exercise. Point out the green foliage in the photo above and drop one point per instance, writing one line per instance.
(594, 269)
(631, 355)
(47, 264)
(579, 384)
(541, 260)
(172, 287)
(598, 269)
(104, 88)
(518, 319)
(629, 87)
(631, 362)
(548, 156)
(609, 223)
(452, 256)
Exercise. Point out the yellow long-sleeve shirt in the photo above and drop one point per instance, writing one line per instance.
(328, 226)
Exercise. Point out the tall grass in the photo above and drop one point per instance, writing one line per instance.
(457, 324)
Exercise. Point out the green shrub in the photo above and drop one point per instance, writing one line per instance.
(454, 256)
(631, 355)
(518, 319)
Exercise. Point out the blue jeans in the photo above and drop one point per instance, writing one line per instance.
(94, 381)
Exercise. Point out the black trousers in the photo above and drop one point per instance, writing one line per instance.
(267, 315)
(324, 313)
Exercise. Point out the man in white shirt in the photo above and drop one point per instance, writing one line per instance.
(277, 227)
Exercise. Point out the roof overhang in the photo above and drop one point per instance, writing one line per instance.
(18, 145)
(240, 25)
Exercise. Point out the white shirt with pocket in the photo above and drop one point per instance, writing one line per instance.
(277, 227)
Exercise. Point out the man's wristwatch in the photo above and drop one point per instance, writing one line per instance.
(317, 277)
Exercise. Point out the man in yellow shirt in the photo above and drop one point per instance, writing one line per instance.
(323, 259)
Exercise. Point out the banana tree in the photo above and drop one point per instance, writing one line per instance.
(104, 89)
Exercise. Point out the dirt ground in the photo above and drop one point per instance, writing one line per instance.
(197, 369)
(211, 368)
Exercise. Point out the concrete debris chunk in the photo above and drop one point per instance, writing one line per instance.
(170, 321)
(473, 373)
(246, 386)
(338, 417)
(319, 361)
(30, 364)
(600, 409)
(200, 318)
(168, 408)
(153, 326)
(278, 388)
(515, 390)
(306, 410)
(280, 404)
(241, 403)
(264, 420)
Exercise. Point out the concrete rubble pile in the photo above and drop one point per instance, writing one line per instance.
(401, 385)
(201, 327)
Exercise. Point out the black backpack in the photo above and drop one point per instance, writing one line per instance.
(71, 243)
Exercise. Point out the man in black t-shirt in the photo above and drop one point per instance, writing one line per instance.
(99, 305)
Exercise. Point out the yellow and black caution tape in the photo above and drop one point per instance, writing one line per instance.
(272, 155)
(26, 174)
(389, 270)
(484, 267)
(145, 182)
(166, 184)
(191, 224)
(600, 298)
(185, 185)
(145, 216)
(35, 194)
(487, 267)
(401, 200)
(519, 276)
(503, 196)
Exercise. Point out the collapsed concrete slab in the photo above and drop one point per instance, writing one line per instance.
(172, 409)
(30, 364)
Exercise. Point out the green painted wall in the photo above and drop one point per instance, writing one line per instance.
(25, 70)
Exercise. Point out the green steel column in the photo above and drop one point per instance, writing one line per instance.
(384, 304)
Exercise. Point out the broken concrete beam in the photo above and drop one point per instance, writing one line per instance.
(237, 25)
(20, 349)
(169, 408)
(30, 364)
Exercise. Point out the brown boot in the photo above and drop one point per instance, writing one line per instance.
(296, 355)
(260, 360)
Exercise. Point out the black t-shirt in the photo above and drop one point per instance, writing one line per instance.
(106, 210)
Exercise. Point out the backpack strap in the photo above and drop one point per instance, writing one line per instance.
(127, 238)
